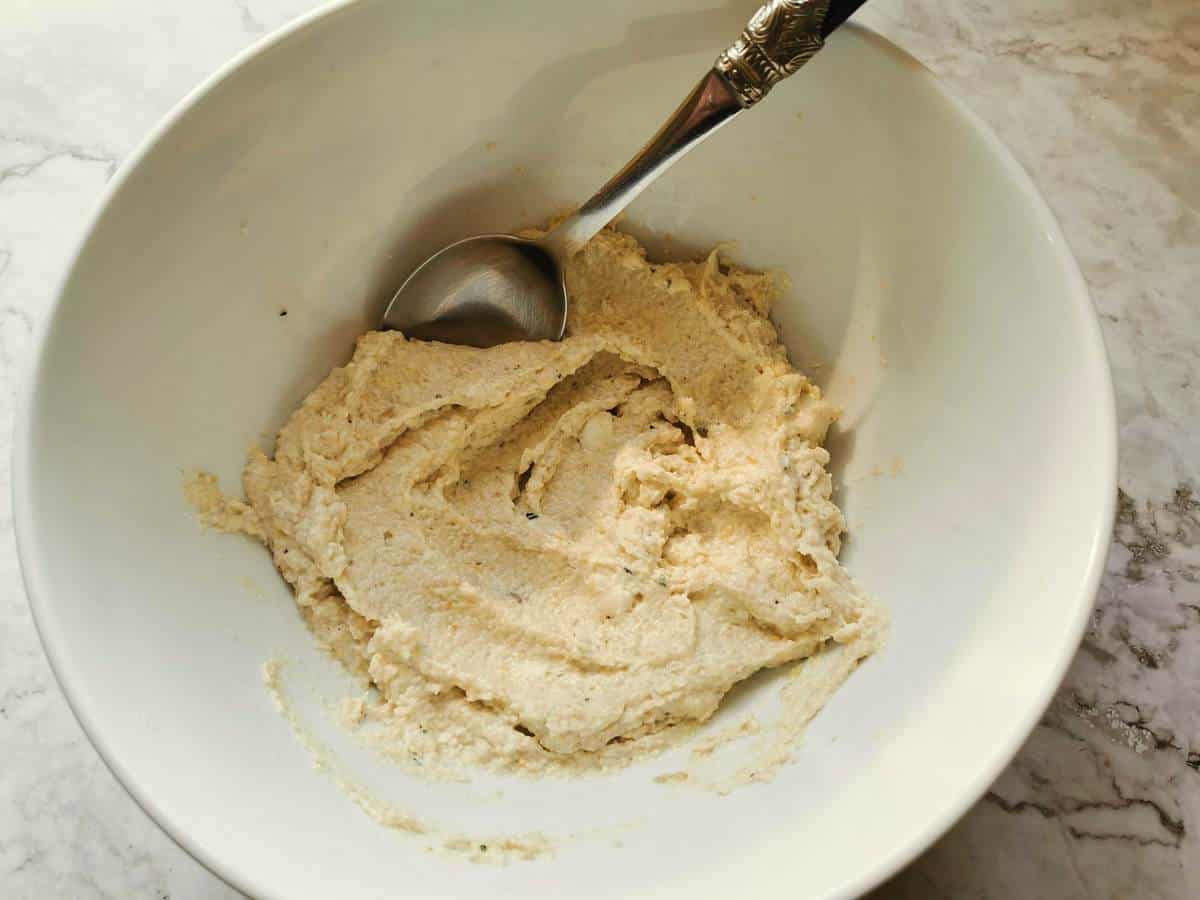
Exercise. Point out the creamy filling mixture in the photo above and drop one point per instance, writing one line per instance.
(543, 550)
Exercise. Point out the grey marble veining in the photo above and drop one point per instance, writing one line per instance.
(1100, 99)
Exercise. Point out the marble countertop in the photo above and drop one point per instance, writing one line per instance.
(1100, 99)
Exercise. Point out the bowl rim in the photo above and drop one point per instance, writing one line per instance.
(870, 875)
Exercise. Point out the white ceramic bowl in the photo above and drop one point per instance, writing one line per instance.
(933, 296)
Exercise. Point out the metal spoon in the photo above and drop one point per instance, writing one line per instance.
(494, 288)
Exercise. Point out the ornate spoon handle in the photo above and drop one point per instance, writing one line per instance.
(779, 39)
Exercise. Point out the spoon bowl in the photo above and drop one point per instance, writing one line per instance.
(481, 291)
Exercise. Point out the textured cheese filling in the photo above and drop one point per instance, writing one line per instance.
(548, 549)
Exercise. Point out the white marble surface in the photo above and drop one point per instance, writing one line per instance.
(1101, 101)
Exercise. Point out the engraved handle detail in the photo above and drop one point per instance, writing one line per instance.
(780, 38)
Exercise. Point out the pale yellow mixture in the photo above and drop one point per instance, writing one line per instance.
(538, 551)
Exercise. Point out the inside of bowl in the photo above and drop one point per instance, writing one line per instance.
(234, 266)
